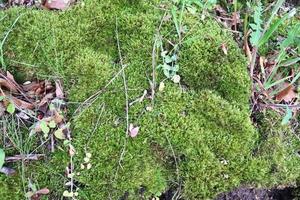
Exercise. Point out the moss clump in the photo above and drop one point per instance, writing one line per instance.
(227, 74)
(207, 128)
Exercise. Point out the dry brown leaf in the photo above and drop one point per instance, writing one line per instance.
(286, 94)
(8, 85)
(58, 118)
(22, 104)
(57, 4)
(43, 191)
(7, 171)
(10, 76)
(59, 91)
(247, 48)
(33, 86)
(46, 99)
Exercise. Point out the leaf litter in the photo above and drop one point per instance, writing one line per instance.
(43, 4)
(41, 107)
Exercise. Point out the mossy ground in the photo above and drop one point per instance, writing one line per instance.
(206, 127)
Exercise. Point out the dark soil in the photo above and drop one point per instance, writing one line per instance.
(257, 194)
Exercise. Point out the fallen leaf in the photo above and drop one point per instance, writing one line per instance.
(10, 76)
(43, 191)
(46, 99)
(224, 48)
(31, 86)
(11, 108)
(286, 94)
(22, 104)
(67, 194)
(22, 115)
(161, 86)
(57, 4)
(59, 134)
(133, 131)
(52, 124)
(58, 91)
(8, 85)
(44, 127)
(7, 171)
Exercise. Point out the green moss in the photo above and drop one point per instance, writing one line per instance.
(207, 127)
(226, 74)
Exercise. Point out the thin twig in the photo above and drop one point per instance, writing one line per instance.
(23, 157)
(253, 61)
(126, 95)
(280, 105)
(89, 101)
(175, 158)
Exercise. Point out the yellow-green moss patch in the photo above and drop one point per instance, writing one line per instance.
(206, 127)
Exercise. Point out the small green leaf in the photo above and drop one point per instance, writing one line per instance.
(2, 158)
(68, 194)
(2, 97)
(168, 59)
(52, 124)
(44, 127)
(288, 116)
(11, 108)
(67, 142)
(59, 134)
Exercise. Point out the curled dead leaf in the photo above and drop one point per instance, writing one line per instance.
(59, 92)
(133, 131)
(287, 94)
(7, 171)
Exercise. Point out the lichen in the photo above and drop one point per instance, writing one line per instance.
(200, 138)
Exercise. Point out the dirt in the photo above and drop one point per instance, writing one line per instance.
(257, 194)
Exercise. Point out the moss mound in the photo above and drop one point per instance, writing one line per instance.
(200, 140)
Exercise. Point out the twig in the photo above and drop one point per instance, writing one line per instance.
(102, 106)
(280, 105)
(253, 61)
(126, 95)
(175, 159)
(177, 193)
(24, 157)
(89, 101)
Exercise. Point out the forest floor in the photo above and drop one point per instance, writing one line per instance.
(128, 99)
